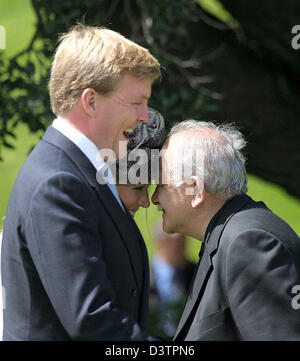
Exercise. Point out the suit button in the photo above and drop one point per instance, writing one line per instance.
(134, 292)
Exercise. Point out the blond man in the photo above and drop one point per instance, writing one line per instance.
(74, 265)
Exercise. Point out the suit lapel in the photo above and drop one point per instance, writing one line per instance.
(121, 220)
(205, 265)
(145, 271)
(203, 271)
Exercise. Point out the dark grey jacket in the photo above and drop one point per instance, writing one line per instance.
(74, 265)
(245, 282)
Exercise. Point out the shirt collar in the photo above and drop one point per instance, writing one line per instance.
(90, 150)
(83, 142)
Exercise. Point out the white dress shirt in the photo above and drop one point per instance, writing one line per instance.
(91, 152)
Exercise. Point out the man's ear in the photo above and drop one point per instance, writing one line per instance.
(198, 191)
(88, 101)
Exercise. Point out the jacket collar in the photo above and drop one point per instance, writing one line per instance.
(205, 265)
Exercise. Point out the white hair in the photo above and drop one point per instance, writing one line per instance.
(213, 153)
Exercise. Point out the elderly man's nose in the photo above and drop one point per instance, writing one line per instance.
(144, 201)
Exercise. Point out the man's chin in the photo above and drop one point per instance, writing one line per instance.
(166, 226)
(122, 149)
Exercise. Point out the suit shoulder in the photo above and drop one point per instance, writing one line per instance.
(45, 160)
(253, 225)
(46, 166)
(260, 219)
(47, 157)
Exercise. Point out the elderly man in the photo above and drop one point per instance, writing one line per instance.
(74, 265)
(249, 267)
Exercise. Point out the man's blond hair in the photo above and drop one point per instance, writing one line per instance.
(98, 58)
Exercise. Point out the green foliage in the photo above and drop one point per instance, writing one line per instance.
(277, 199)
(14, 159)
(18, 20)
(217, 9)
(161, 26)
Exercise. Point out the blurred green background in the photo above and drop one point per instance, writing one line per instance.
(18, 19)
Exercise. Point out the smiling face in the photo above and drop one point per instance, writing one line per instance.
(175, 205)
(120, 112)
(134, 196)
(172, 201)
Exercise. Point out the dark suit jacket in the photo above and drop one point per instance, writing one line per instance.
(74, 265)
(243, 285)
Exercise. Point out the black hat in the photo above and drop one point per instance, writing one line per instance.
(148, 135)
(145, 136)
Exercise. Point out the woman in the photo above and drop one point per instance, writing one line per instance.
(134, 196)
(146, 137)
